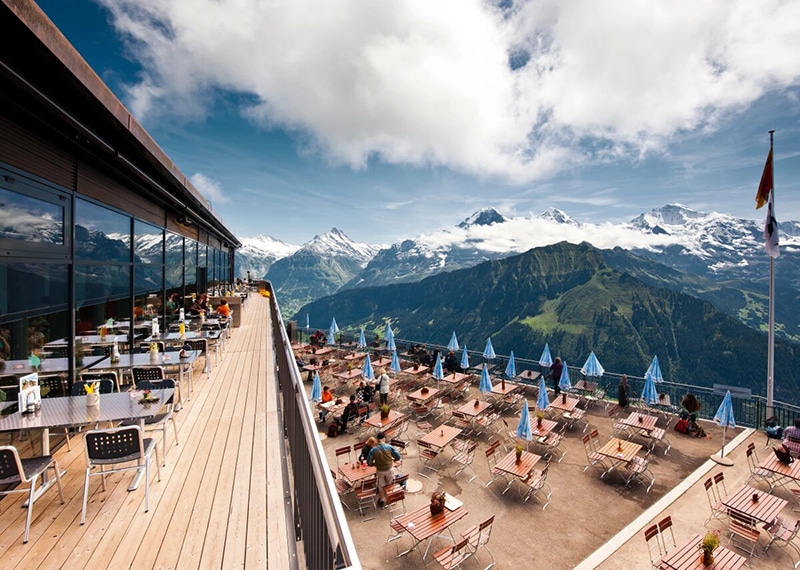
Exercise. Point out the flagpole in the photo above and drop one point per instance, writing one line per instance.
(771, 336)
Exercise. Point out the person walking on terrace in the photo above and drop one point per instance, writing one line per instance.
(383, 456)
(622, 392)
(555, 374)
(383, 386)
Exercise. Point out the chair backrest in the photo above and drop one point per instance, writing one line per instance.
(141, 373)
(113, 445)
(711, 492)
(93, 376)
(664, 527)
(54, 384)
(719, 484)
(10, 465)
(164, 384)
(652, 539)
(160, 343)
(400, 479)
(485, 531)
(105, 386)
(612, 411)
(195, 344)
(358, 445)
(343, 452)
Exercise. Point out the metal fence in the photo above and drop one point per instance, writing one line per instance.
(319, 521)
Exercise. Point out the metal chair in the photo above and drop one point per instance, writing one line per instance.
(478, 536)
(367, 495)
(465, 458)
(427, 456)
(783, 533)
(757, 474)
(56, 385)
(491, 461)
(100, 376)
(201, 345)
(344, 453)
(743, 532)
(595, 459)
(718, 510)
(664, 527)
(652, 538)
(639, 468)
(14, 471)
(535, 484)
(159, 421)
(453, 556)
(115, 448)
(343, 488)
(156, 374)
(105, 385)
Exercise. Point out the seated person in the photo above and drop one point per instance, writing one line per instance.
(424, 357)
(368, 445)
(327, 396)
(224, 308)
(350, 411)
(451, 362)
(202, 301)
(364, 394)
(791, 437)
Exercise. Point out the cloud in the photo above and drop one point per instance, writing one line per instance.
(517, 93)
(210, 189)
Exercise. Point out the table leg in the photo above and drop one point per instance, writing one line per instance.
(139, 475)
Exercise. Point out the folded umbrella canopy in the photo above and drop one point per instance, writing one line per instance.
(545, 359)
(564, 382)
(488, 352)
(438, 371)
(316, 389)
(486, 382)
(366, 370)
(724, 417)
(511, 368)
(649, 394)
(395, 365)
(464, 359)
(542, 402)
(334, 326)
(453, 344)
(592, 366)
(390, 345)
(524, 426)
(332, 335)
(362, 341)
(655, 371)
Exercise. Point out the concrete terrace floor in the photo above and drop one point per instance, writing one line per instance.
(589, 523)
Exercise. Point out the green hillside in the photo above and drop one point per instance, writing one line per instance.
(568, 296)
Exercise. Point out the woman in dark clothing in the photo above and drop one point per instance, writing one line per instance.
(622, 392)
(555, 374)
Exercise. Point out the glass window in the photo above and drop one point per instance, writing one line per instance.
(148, 278)
(22, 336)
(149, 243)
(26, 218)
(202, 256)
(174, 276)
(32, 287)
(191, 253)
(101, 234)
(101, 282)
(174, 249)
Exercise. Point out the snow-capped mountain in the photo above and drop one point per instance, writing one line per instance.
(258, 253)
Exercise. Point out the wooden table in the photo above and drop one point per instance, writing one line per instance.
(416, 371)
(323, 351)
(643, 423)
(543, 431)
(470, 409)
(441, 436)
(568, 406)
(504, 390)
(349, 374)
(529, 376)
(454, 377)
(421, 525)
(418, 396)
(167, 360)
(585, 386)
(382, 362)
(356, 356)
(766, 509)
(688, 556)
(376, 421)
(788, 472)
(620, 452)
(508, 464)
(355, 473)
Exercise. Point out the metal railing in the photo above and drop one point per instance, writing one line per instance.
(319, 521)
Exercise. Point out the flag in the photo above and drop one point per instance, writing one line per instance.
(765, 187)
(771, 231)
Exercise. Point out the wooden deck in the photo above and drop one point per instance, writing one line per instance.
(210, 510)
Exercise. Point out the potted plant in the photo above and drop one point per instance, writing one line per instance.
(708, 545)
(384, 411)
(424, 390)
(518, 451)
(539, 418)
(437, 503)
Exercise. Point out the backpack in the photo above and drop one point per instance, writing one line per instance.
(682, 426)
(333, 430)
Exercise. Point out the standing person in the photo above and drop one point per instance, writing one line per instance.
(622, 392)
(555, 374)
(383, 456)
(383, 386)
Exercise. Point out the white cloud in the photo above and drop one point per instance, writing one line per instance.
(425, 83)
(209, 188)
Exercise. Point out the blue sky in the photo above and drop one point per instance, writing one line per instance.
(391, 119)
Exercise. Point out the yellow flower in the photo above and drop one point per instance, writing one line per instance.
(91, 388)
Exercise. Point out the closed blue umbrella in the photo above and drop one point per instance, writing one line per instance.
(649, 394)
(724, 417)
(331, 336)
(545, 359)
(316, 389)
(464, 359)
(390, 345)
(564, 382)
(511, 368)
(362, 341)
(366, 370)
(488, 352)
(453, 344)
(592, 367)
(308, 325)
(524, 427)
(486, 382)
(395, 365)
(334, 326)
(655, 371)
(438, 371)
(542, 402)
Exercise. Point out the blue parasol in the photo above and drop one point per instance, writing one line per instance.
(366, 370)
(524, 427)
(464, 359)
(592, 366)
(486, 383)
(724, 417)
(655, 371)
(488, 352)
(332, 335)
(438, 372)
(542, 402)
(334, 326)
(649, 394)
(362, 341)
(390, 345)
(564, 382)
(545, 359)
(316, 389)
(395, 365)
(308, 325)
(453, 344)
(511, 369)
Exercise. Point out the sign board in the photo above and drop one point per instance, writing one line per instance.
(736, 391)
(29, 392)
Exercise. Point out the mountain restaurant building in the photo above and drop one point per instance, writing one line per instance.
(96, 222)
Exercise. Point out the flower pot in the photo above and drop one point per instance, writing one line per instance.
(539, 422)
(503, 384)
(708, 558)
(153, 357)
(477, 403)
(437, 507)
(92, 399)
(519, 457)
(563, 398)
(384, 415)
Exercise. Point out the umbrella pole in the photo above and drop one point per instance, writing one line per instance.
(720, 458)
